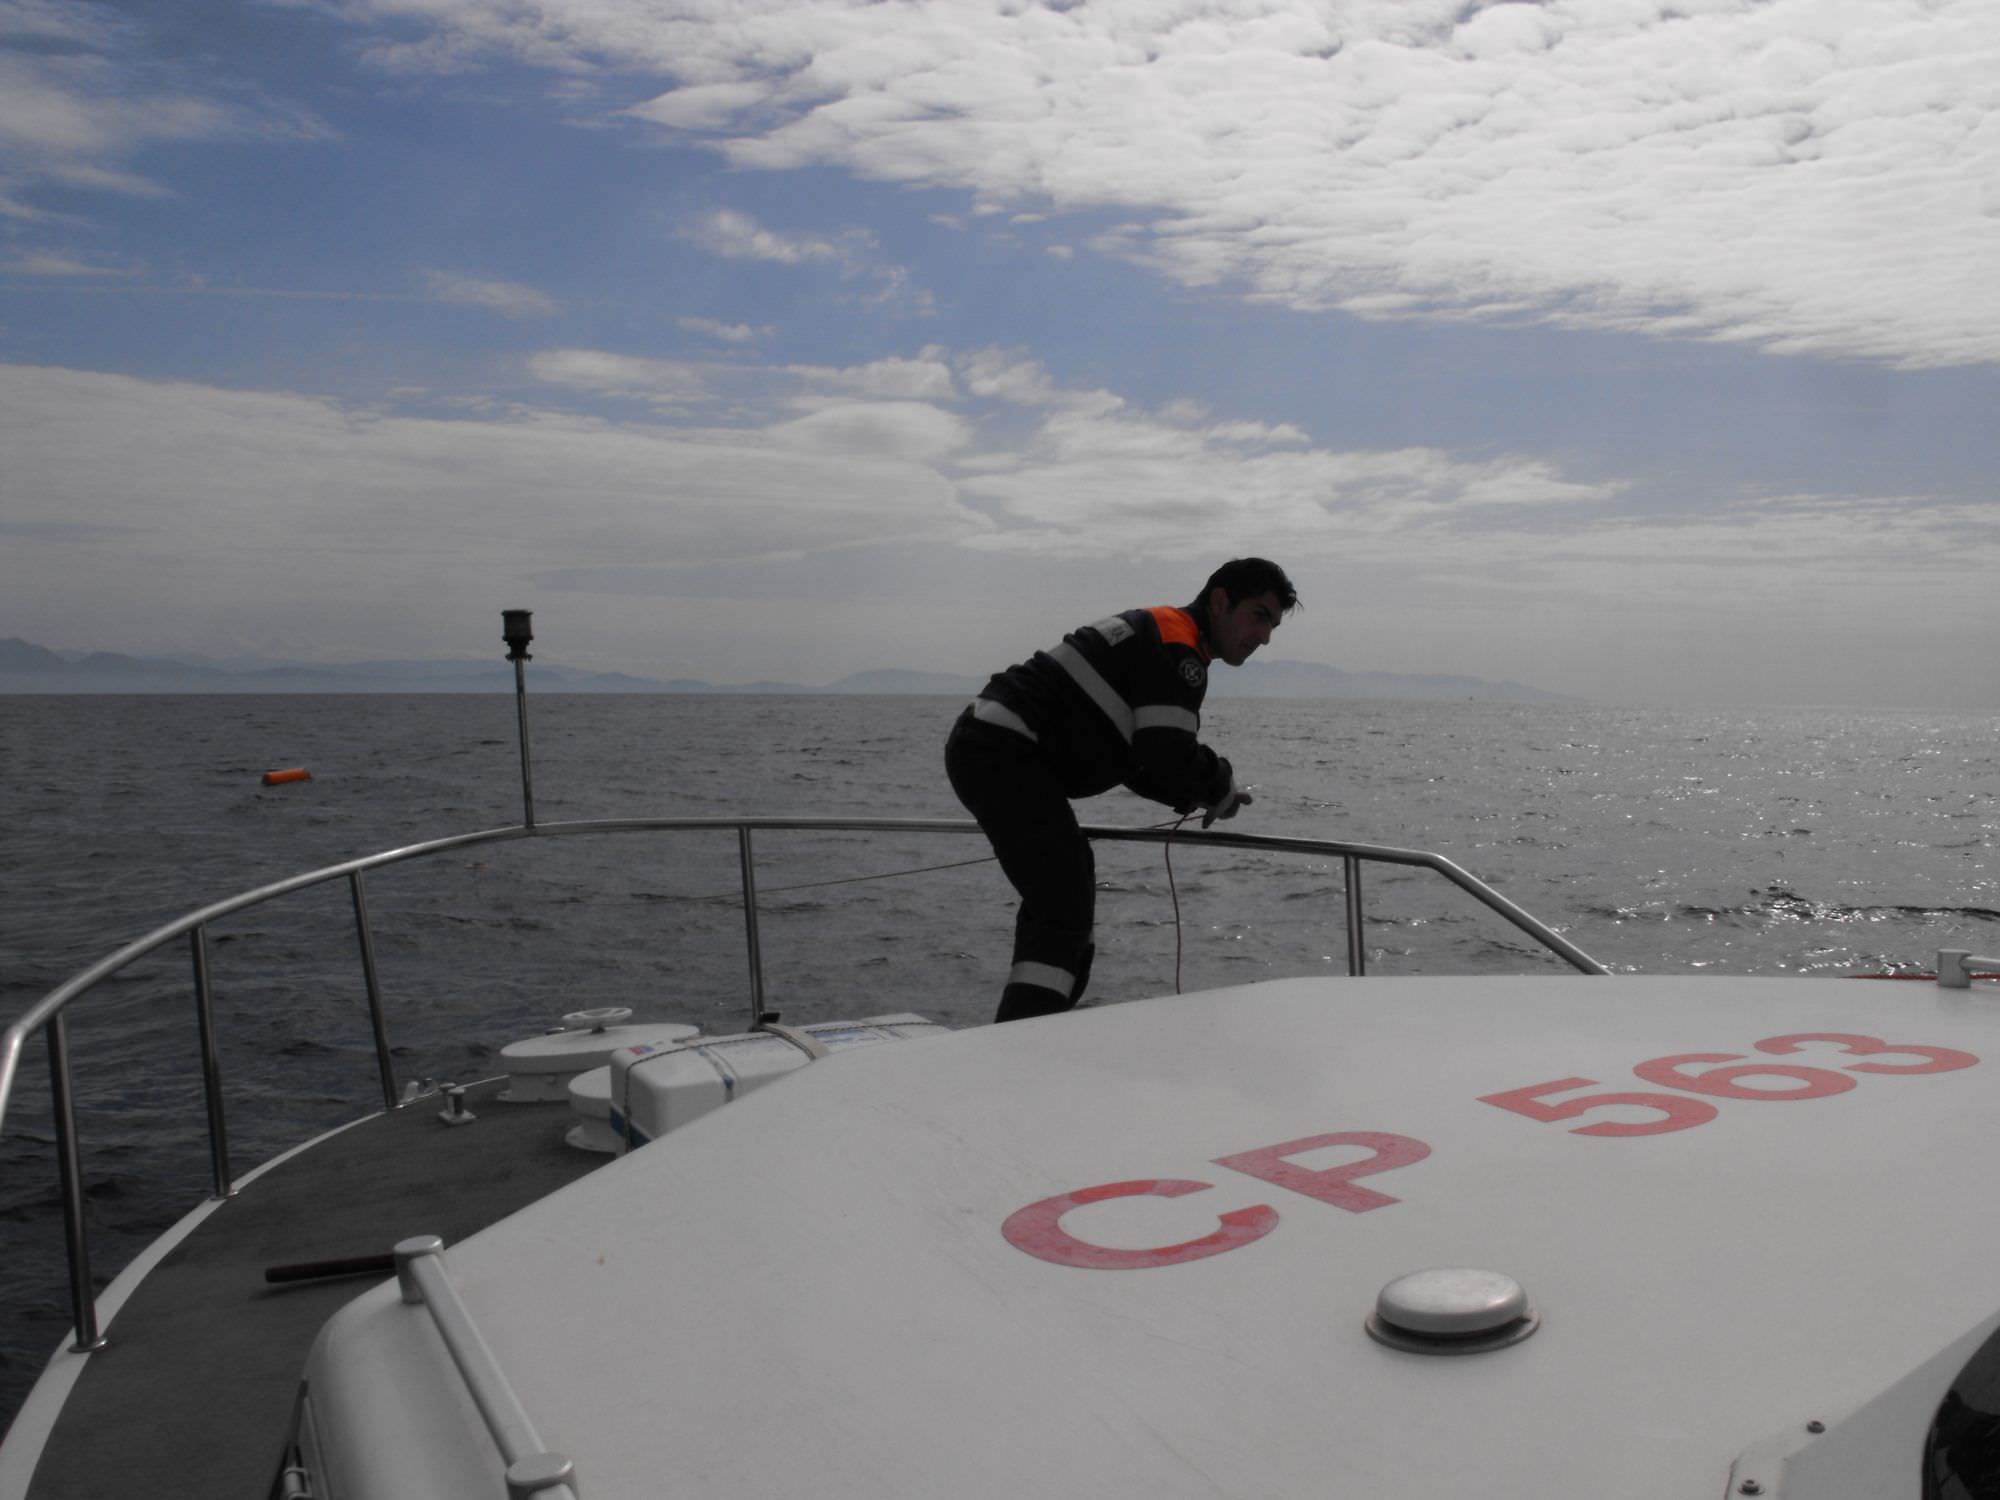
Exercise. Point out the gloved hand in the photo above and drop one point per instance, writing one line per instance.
(1226, 805)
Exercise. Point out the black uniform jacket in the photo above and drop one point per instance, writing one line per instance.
(1118, 703)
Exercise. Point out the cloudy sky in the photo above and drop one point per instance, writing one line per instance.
(1646, 350)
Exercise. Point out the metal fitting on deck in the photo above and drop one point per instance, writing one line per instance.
(1956, 966)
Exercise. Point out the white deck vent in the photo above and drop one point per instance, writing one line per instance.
(1452, 1310)
(539, 1068)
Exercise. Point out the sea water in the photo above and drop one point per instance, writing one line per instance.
(1767, 842)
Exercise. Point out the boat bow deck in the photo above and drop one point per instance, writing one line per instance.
(206, 1351)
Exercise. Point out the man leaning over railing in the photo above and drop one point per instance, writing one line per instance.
(1114, 703)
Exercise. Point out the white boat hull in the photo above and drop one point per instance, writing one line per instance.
(1131, 1251)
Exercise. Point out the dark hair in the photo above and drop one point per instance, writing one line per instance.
(1245, 577)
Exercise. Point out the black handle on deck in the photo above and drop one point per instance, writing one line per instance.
(320, 1270)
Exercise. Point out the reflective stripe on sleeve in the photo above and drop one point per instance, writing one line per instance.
(1166, 716)
(1042, 977)
(989, 712)
(1100, 692)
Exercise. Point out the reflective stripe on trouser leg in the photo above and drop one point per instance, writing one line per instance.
(1006, 783)
(1031, 989)
(1043, 976)
(1052, 948)
(1051, 865)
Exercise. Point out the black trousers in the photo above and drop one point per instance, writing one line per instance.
(1006, 783)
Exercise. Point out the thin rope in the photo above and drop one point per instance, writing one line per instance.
(1175, 894)
(813, 885)
(957, 864)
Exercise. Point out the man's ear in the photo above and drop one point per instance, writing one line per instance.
(1218, 602)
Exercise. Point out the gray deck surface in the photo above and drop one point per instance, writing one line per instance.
(193, 1396)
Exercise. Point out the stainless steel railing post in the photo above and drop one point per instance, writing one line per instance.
(384, 1064)
(211, 1063)
(1357, 943)
(517, 630)
(69, 1164)
(750, 925)
(527, 760)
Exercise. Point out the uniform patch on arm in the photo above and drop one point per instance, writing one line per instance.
(1114, 630)
(1193, 673)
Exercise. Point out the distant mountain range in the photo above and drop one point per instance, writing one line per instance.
(28, 668)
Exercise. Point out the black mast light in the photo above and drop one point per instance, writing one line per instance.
(515, 631)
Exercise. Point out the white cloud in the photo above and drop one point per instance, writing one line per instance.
(728, 333)
(1260, 434)
(83, 97)
(74, 120)
(1804, 175)
(708, 106)
(242, 504)
(664, 380)
(508, 298)
(1010, 376)
(852, 254)
(49, 21)
(763, 391)
(1069, 473)
(1127, 484)
(925, 378)
(134, 502)
(735, 235)
(67, 267)
(908, 430)
(200, 469)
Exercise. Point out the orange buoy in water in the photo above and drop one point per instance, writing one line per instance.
(279, 778)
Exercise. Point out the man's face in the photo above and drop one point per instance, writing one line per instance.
(1240, 628)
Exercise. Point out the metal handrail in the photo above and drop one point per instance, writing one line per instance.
(534, 1472)
(49, 1011)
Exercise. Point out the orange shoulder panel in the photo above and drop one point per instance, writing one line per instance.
(1177, 627)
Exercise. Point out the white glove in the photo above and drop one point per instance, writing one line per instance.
(1226, 805)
